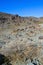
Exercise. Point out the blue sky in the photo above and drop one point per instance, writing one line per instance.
(22, 7)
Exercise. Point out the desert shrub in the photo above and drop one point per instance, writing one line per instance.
(4, 60)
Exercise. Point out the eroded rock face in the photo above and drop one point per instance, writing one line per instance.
(19, 38)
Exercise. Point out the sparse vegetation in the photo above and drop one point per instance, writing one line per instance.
(19, 39)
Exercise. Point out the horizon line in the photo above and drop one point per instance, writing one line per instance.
(20, 15)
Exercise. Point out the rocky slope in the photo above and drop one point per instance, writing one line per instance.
(20, 39)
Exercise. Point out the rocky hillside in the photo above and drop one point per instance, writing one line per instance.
(21, 39)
